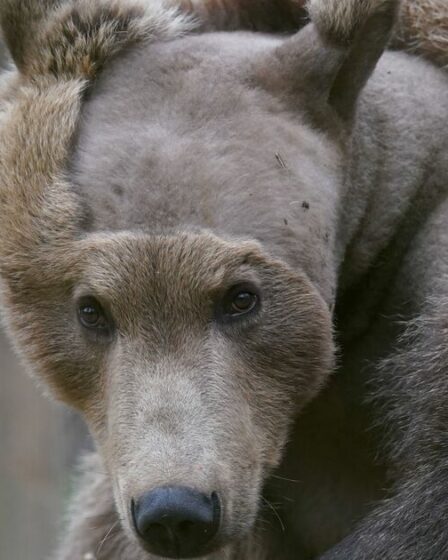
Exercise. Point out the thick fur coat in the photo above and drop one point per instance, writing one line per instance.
(229, 252)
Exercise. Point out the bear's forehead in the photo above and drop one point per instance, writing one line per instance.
(179, 133)
(176, 86)
(141, 73)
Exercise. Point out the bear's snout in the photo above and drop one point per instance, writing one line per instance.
(176, 522)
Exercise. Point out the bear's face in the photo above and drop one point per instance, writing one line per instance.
(189, 356)
(202, 347)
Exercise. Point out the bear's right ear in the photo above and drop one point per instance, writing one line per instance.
(20, 22)
(326, 64)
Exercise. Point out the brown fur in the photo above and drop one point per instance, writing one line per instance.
(46, 107)
(423, 29)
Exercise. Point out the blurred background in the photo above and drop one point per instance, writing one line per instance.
(39, 445)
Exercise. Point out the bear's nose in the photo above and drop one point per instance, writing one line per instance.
(176, 522)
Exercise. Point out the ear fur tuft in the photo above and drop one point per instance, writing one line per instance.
(72, 38)
(340, 20)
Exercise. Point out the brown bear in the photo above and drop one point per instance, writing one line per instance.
(228, 250)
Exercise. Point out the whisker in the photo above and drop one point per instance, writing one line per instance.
(285, 479)
(275, 512)
(107, 535)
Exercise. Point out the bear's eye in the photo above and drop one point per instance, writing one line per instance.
(243, 302)
(240, 300)
(91, 314)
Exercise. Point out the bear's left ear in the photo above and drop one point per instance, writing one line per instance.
(327, 63)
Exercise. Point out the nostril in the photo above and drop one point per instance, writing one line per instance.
(156, 532)
(185, 526)
(176, 521)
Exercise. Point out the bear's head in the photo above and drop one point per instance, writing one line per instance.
(157, 269)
